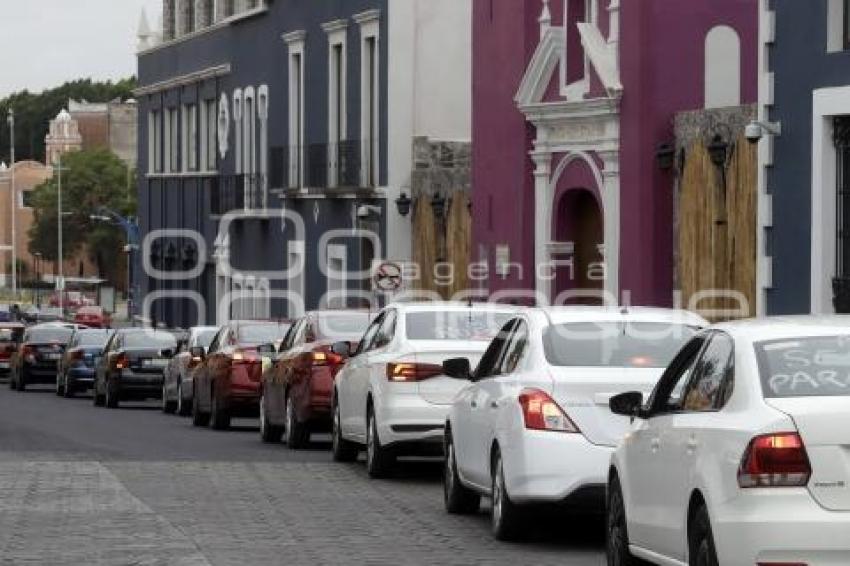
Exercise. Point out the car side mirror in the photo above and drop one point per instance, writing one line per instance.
(342, 349)
(627, 404)
(198, 352)
(458, 368)
(266, 349)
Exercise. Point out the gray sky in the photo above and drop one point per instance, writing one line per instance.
(59, 40)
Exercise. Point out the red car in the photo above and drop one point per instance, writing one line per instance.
(296, 391)
(10, 336)
(226, 383)
(93, 317)
(72, 300)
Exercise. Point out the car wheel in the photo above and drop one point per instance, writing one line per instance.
(343, 450)
(168, 407)
(505, 517)
(458, 498)
(268, 432)
(219, 417)
(701, 541)
(184, 408)
(617, 535)
(297, 434)
(111, 394)
(379, 460)
(199, 418)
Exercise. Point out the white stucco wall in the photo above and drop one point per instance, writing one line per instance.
(430, 90)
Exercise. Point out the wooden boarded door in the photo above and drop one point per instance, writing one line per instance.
(717, 219)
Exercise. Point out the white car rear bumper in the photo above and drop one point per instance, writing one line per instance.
(548, 467)
(780, 526)
(408, 418)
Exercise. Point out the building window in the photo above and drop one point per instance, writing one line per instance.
(295, 40)
(722, 67)
(155, 142)
(187, 17)
(27, 199)
(190, 137)
(336, 275)
(209, 133)
(172, 140)
(846, 20)
(841, 129)
(229, 8)
(250, 133)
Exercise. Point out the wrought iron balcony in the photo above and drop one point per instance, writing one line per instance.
(343, 164)
(235, 192)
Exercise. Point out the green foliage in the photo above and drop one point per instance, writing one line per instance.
(90, 179)
(33, 112)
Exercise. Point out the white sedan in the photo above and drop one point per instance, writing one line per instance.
(741, 456)
(534, 426)
(391, 396)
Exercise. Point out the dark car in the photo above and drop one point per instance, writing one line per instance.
(11, 334)
(177, 382)
(77, 366)
(131, 366)
(227, 381)
(36, 358)
(297, 390)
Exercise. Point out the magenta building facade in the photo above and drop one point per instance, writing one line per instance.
(572, 99)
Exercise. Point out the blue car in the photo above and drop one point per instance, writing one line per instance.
(75, 372)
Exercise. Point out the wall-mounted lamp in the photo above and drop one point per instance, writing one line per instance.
(665, 155)
(403, 204)
(438, 205)
(717, 151)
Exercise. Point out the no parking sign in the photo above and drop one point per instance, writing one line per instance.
(388, 277)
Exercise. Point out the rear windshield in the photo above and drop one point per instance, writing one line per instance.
(92, 338)
(615, 344)
(149, 339)
(262, 333)
(805, 367)
(204, 337)
(344, 326)
(471, 325)
(44, 335)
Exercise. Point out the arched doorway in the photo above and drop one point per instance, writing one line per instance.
(580, 235)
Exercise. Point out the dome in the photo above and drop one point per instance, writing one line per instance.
(63, 116)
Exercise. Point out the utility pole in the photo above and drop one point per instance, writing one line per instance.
(14, 209)
(60, 287)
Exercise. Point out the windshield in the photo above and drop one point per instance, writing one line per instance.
(204, 338)
(262, 333)
(149, 339)
(349, 326)
(805, 367)
(470, 325)
(614, 344)
(44, 335)
(92, 338)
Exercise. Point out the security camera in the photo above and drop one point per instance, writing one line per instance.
(753, 132)
(364, 211)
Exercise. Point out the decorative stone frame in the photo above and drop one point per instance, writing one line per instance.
(369, 23)
(337, 32)
(295, 42)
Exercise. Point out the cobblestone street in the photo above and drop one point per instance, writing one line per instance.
(91, 486)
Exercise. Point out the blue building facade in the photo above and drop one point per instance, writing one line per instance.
(805, 185)
(262, 157)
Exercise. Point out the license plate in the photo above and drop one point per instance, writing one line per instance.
(51, 356)
(154, 363)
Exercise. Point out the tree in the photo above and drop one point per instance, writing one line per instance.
(90, 179)
(33, 112)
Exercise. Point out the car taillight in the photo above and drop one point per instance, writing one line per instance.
(245, 356)
(541, 412)
(122, 361)
(409, 371)
(324, 357)
(775, 460)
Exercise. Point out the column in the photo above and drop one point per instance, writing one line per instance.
(542, 222)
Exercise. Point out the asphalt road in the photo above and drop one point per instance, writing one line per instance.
(81, 485)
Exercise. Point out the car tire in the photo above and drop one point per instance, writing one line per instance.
(343, 450)
(112, 401)
(269, 433)
(297, 433)
(184, 409)
(459, 499)
(219, 417)
(616, 532)
(506, 518)
(379, 460)
(702, 551)
(199, 418)
(168, 407)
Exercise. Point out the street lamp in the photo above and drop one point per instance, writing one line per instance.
(60, 256)
(403, 204)
(11, 121)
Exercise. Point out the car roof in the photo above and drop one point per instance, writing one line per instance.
(567, 314)
(781, 327)
(442, 306)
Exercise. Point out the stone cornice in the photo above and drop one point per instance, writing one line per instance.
(336, 25)
(367, 16)
(294, 36)
(190, 78)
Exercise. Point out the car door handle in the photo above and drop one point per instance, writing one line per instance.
(655, 444)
